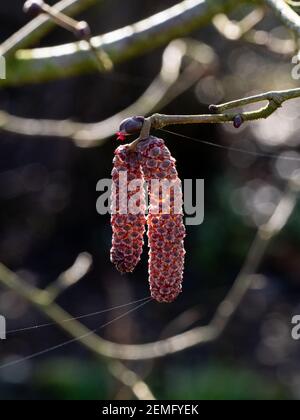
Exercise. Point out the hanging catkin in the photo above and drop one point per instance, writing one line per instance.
(166, 230)
(128, 210)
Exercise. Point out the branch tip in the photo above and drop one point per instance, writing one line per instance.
(83, 30)
(33, 7)
(213, 108)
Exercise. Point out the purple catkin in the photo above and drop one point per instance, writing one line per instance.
(166, 230)
(128, 229)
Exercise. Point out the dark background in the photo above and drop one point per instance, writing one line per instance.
(48, 216)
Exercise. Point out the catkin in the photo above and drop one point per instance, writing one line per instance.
(166, 230)
(127, 210)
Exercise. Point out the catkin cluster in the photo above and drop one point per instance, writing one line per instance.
(166, 230)
(127, 211)
(153, 162)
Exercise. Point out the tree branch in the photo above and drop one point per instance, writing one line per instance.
(233, 30)
(171, 81)
(244, 30)
(130, 379)
(43, 300)
(93, 133)
(71, 276)
(292, 3)
(39, 27)
(288, 16)
(275, 100)
(42, 64)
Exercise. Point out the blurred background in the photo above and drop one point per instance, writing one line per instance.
(48, 217)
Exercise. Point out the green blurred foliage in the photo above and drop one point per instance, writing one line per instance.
(72, 379)
(220, 382)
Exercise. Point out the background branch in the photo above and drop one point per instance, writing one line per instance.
(130, 379)
(66, 60)
(287, 15)
(195, 336)
(43, 300)
(244, 30)
(233, 30)
(49, 63)
(40, 26)
(71, 276)
(292, 3)
(171, 81)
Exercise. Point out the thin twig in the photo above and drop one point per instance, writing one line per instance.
(273, 43)
(80, 29)
(244, 30)
(275, 100)
(71, 276)
(233, 30)
(40, 26)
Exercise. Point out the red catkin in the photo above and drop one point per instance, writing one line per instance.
(128, 210)
(166, 230)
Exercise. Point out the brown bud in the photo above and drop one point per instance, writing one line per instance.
(34, 7)
(238, 121)
(131, 125)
